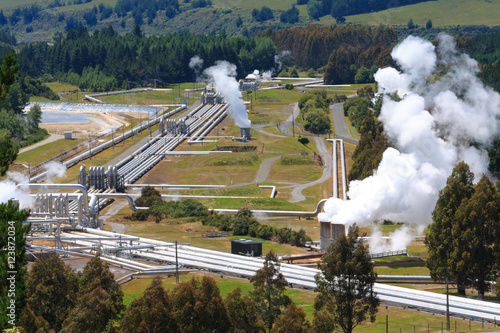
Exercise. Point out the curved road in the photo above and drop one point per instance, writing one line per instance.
(297, 195)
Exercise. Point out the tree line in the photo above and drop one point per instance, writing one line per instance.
(112, 61)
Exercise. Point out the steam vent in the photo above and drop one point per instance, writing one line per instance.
(245, 134)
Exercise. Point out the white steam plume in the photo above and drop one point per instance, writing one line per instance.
(196, 63)
(433, 127)
(54, 170)
(9, 189)
(222, 75)
(254, 76)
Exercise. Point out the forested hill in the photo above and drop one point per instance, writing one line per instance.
(42, 20)
(312, 46)
(103, 60)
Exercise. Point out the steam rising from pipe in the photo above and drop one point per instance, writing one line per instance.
(445, 115)
(223, 77)
(54, 170)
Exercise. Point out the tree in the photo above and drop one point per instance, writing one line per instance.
(13, 262)
(428, 24)
(8, 72)
(92, 313)
(52, 289)
(242, 313)
(31, 323)
(315, 9)
(198, 307)
(33, 117)
(443, 238)
(317, 122)
(480, 218)
(345, 284)
(8, 154)
(96, 275)
(362, 76)
(153, 312)
(269, 290)
(410, 24)
(293, 320)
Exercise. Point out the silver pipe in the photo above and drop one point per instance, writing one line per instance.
(278, 212)
(110, 142)
(78, 187)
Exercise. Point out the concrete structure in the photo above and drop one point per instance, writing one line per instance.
(329, 232)
(248, 85)
(245, 134)
(68, 135)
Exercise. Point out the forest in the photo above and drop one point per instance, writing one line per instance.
(103, 60)
(314, 46)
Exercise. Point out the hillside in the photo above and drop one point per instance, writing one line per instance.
(441, 12)
(235, 16)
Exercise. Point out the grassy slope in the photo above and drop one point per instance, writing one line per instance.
(441, 12)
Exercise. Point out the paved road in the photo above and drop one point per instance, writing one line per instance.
(51, 138)
(341, 129)
(260, 128)
(265, 168)
(297, 195)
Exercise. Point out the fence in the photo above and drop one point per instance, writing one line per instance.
(217, 234)
(389, 254)
(456, 325)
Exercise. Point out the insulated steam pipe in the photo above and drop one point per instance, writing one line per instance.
(278, 212)
(110, 142)
(78, 187)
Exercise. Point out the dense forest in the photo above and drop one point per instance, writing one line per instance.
(103, 60)
(312, 46)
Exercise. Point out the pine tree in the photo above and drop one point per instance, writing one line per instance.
(52, 289)
(152, 312)
(346, 284)
(269, 290)
(13, 261)
(479, 217)
(446, 250)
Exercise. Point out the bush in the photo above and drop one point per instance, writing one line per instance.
(304, 140)
(289, 86)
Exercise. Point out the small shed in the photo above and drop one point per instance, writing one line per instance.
(68, 135)
(245, 246)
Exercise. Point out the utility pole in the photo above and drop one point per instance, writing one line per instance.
(447, 307)
(176, 265)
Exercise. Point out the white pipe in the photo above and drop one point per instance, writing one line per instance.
(277, 212)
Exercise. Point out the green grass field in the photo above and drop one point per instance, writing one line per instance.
(38, 155)
(441, 12)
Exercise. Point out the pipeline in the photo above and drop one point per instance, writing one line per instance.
(78, 187)
(112, 141)
(96, 196)
(278, 212)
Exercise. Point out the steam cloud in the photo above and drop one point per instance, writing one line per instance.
(437, 123)
(196, 64)
(223, 77)
(9, 189)
(54, 170)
